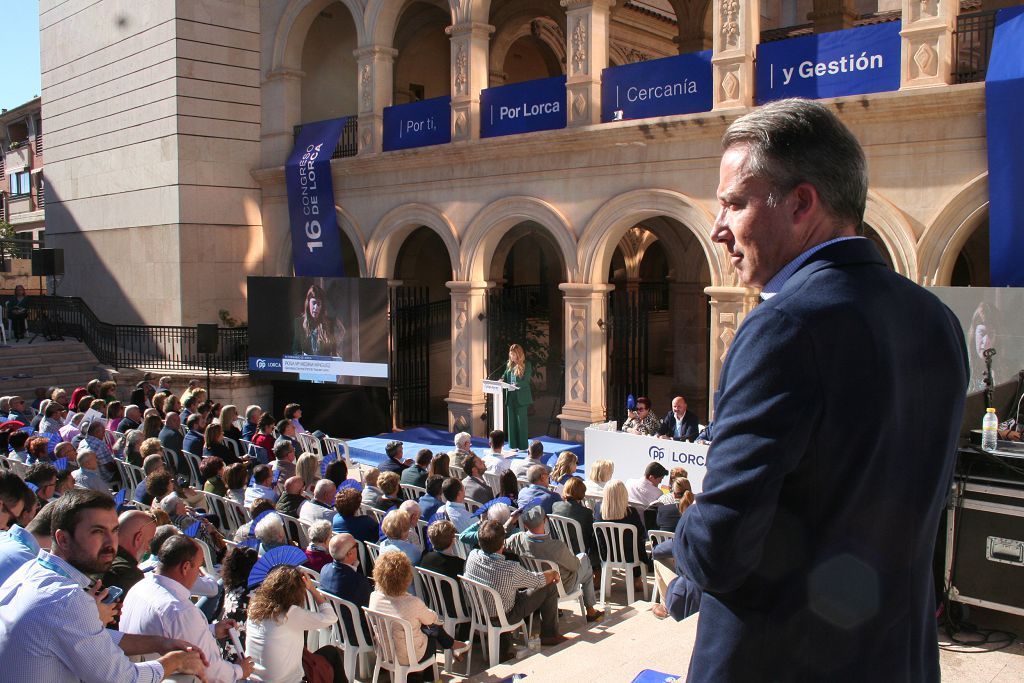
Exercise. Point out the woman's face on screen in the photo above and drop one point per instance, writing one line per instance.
(314, 307)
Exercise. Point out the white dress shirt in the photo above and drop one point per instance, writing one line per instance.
(276, 645)
(90, 479)
(642, 492)
(459, 515)
(50, 630)
(160, 606)
(497, 462)
(255, 492)
(313, 511)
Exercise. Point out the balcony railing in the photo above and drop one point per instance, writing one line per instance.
(159, 347)
(348, 143)
(972, 45)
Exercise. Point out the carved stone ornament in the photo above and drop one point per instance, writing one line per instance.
(730, 86)
(579, 47)
(926, 60)
(365, 84)
(579, 104)
(928, 8)
(461, 78)
(461, 318)
(634, 56)
(726, 337)
(730, 23)
(460, 123)
(366, 139)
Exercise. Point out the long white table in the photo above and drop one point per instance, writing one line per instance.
(631, 453)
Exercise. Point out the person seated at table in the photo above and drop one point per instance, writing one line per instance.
(600, 474)
(572, 506)
(443, 560)
(679, 423)
(416, 474)
(347, 521)
(396, 533)
(393, 575)
(614, 507)
(534, 456)
(645, 491)
(391, 487)
(565, 467)
(642, 420)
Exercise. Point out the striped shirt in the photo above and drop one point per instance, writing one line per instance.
(50, 630)
(492, 569)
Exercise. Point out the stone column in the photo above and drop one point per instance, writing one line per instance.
(729, 306)
(281, 111)
(375, 86)
(586, 345)
(737, 30)
(586, 56)
(466, 399)
(832, 15)
(469, 76)
(926, 56)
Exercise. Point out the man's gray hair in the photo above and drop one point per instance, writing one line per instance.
(271, 529)
(463, 437)
(282, 447)
(319, 531)
(534, 517)
(796, 141)
(324, 489)
(536, 473)
(499, 512)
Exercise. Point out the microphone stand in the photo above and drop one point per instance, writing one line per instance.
(987, 376)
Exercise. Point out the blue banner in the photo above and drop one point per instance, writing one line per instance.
(523, 107)
(1004, 111)
(418, 124)
(660, 87)
(316, 243)
(851, 62)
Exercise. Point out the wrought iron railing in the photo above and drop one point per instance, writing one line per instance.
(972, 45)
(348, 143)
(157, 347)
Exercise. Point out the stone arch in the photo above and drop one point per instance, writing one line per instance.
(349, 228)
(545, 29)
(398, 224)
(494, 220)
(892, 227)
(948, 232)
(619, 214)
(291, 30)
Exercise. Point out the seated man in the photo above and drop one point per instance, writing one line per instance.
(160, 605)
(345, 579)
(262, 486)
(535, 456)
(454, 508)
(152, 463)
(394, 458)
(88, 476)
(43, 476)
(679, 424)
(134, 534)
(575, 570)
(647, 490)
(18, 545)
(194, 439)
(284, 458)
(170, 436)
(292, 498)
(371, 492)
(52, 629)
(416, 474)
(442, 558)
(476, 488)
(522, 592)
(497, 461)
(349, 521)
(540, 480)
(431, 501)
(322, 504)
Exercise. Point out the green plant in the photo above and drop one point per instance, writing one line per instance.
(226, 318)
(6, 231)
(14, 145)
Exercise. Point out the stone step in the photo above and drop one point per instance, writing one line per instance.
(24, 366)
(26, 386)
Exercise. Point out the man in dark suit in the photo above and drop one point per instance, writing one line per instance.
(476, 488)
(194, 439)
(416, 475)
(344, 578)
(170, 435)
(679, 424)
(812, 539)
(393, 458)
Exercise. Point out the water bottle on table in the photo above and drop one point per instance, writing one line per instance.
(989, 425)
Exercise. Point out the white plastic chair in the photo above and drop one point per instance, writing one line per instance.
(657, 536)
(411, 492)
(387, 647)
(374, 550)
(235, 447)
(314, 575)
(591, 501)
(192, 462)
(378, 515)
(616, 537)
(485, 605)
(356, 646)
(494, 481)
(294, 530)
(457, 472)
(472, 505)
(568, 531)
(576, 595)
(231, 514)
(432, 587)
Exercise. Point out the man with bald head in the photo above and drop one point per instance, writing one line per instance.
(292, 498)
(345, 579)
(679, 424)
(132, 419)
(134, 533)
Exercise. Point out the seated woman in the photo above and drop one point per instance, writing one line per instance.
(393, 575)
(213, 445)
(235, 478)
(668, 513)
(234, 572)
(642, 420)
(509, 485)
(614, 507)
(275, 628)
(317, 554)
(227, 419)
(440, 465)
(265, 434)
(308, 467)
(572, 507)
(211, 472)
(599, 475)
(565, 467)
(396, 527)
(390, 486)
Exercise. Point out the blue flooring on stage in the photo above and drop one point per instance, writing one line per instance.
(370, 450)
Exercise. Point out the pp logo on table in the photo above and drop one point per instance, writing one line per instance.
(656, 452)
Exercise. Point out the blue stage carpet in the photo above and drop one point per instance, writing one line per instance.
(370, 450)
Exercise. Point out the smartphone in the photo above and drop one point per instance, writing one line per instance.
(113, 595)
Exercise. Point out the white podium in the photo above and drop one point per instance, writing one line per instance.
(496, 389)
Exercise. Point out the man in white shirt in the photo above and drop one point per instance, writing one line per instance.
(51, 627)
(535, 457)
(455, 508)
(159, 605)
(497, 461)
(322, 505)
(262, 487)
(88, 476)
(646, 491)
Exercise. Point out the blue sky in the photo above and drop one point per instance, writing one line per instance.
(19, 79)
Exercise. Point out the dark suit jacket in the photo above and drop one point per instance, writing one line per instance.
(450, 566)
(361, 527)
(340, 580)
(171, 438)
(391, 465)
(193, 442)
(478, 490)
(813, 537)
(415, 475)
(668, 426)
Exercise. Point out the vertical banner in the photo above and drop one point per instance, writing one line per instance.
(1004, 111)
(659, 87)
(523, 107)
(418, 124)
(316, 244)
(854, 61)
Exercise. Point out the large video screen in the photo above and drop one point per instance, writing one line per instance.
(319, 329)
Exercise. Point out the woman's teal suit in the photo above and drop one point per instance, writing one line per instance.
(516, 405)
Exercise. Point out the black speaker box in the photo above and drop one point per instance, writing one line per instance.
(47, 262)
(206, 338)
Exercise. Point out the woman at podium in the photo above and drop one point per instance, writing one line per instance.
(518, 371)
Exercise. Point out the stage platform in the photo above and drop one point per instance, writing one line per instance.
(370, 450)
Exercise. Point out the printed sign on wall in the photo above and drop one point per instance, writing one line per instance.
(523, 107)
(660, 87)
(851, 62)
(418, 124)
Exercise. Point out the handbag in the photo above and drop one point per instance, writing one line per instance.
(316, 668)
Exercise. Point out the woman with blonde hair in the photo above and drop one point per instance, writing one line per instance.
(518, 371)
(392, 575)
(396, 526)
(614, 507)
(228, 415)
(565, 467)
(151, 426)
(600, 472)
(158, 404)
(277, 619)
(308, 467)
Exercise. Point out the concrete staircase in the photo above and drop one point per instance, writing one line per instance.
(24, 366)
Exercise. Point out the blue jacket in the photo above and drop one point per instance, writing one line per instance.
(340, 580)
(363, 528)
(528, 493)
(814, 534)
